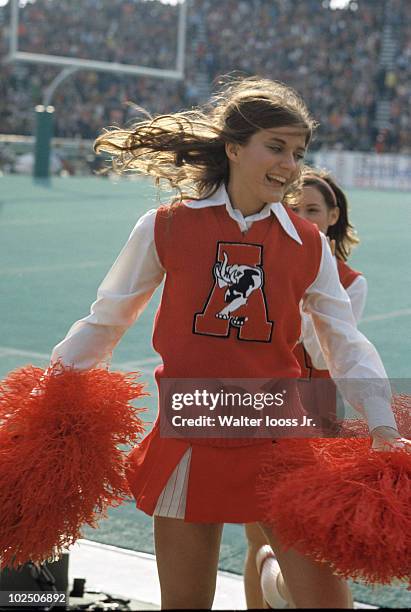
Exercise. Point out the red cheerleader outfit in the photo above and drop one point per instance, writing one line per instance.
(229, 308)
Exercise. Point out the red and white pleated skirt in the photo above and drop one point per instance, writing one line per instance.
(197, 482)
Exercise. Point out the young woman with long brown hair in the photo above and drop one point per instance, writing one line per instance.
(236, 268)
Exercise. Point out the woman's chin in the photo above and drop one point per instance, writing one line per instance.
(274, 193)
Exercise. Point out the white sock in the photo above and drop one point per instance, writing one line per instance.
(268, 580)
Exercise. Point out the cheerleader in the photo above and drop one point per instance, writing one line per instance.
(236, 265)
(323, 203)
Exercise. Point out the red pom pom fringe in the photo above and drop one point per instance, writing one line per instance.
(60, 465)
(340, 502)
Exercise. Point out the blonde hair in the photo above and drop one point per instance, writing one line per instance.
(186, 150)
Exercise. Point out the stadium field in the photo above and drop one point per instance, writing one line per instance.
(57, 241)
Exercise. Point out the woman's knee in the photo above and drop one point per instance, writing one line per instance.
(310, 584)
(187, 560)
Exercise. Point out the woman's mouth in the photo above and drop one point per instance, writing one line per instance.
(275, 180)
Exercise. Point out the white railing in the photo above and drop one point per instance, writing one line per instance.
(367, 170)
(69, 155)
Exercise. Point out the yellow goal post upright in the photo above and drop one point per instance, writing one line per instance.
(70, 65)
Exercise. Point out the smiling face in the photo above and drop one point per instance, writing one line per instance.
(314, 208)
(261, 170)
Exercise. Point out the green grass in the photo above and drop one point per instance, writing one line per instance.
(58, 241)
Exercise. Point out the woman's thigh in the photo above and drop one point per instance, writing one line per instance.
(187, 561)
(311, 584)
(255, 536)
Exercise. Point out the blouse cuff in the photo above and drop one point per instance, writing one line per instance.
(378, 413)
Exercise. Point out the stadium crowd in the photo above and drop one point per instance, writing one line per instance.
(332, 57)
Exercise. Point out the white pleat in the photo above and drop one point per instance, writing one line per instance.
(173, 498)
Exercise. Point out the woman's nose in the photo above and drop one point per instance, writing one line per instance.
(289, 162)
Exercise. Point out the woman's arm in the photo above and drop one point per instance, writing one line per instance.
(352, 360)
(121, 298)
(357, 292)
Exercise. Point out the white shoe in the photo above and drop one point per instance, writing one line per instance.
(269, 570)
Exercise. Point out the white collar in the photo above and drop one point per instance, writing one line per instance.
(221, 197)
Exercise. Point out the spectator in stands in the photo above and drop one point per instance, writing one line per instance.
(330, 56)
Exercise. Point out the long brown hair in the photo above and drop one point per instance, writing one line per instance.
(343, 232)
(186, 150)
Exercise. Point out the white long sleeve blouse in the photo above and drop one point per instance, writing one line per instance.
(357, 292)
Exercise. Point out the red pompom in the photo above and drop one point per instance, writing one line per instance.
(348, 506)
(60, 465)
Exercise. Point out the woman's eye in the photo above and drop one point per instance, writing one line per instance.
(276, 149)
(299, 156)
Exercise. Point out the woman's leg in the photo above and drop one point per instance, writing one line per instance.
(255, 539)
(187, 561)
(311, 584)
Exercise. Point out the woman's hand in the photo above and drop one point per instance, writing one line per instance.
(388, 438)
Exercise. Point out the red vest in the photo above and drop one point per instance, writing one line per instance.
(230, 304)
(347, 275)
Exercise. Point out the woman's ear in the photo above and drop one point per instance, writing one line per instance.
(333, 215)
(231, 150)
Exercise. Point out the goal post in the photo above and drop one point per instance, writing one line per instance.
(69, 65)
(58, 60)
